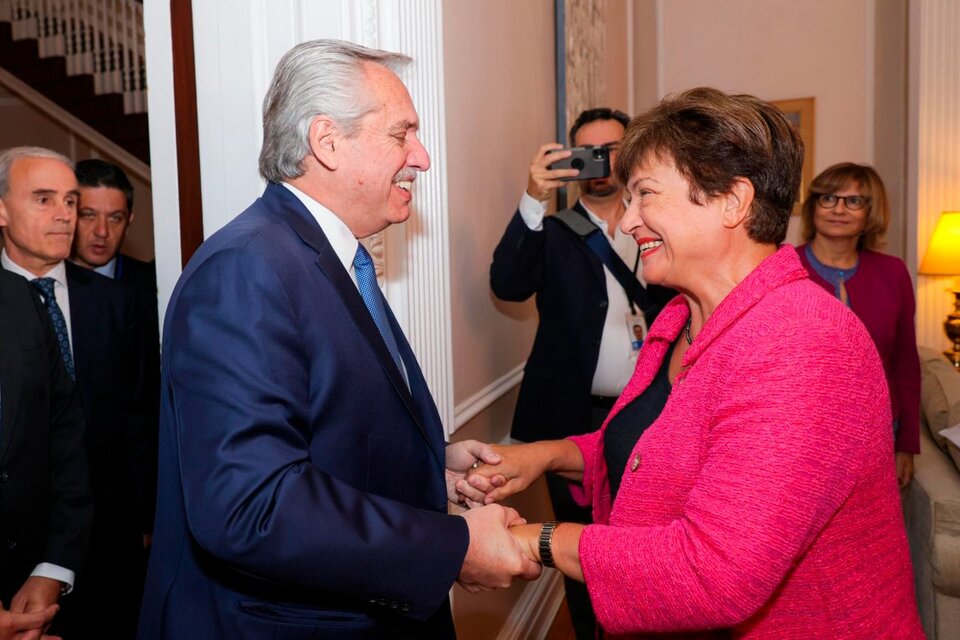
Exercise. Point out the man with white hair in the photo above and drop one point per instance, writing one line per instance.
(304, 479)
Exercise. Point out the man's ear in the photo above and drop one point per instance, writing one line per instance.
(737, 202)
(3, 214)
(324, 138)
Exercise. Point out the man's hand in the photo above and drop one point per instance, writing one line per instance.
(544, 181)
(36, 594)
(26, 626)
(494, 557)
(461, 458)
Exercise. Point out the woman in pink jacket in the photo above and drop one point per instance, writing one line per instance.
(742, 485)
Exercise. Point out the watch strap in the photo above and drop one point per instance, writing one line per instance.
(545, 543)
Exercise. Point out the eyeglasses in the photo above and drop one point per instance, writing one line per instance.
(854, 203)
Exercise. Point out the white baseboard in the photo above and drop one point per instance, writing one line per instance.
(534, 612)
(479, 401)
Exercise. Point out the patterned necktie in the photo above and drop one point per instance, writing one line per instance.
(45, 287)
(370, 292)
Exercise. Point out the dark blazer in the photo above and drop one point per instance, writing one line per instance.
(571, 293)
(46, 508)
(142, 276)
(110, 354)
(302, 489)
(110, 357)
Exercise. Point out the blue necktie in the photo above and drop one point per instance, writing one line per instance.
(45, 287)
(373, 299)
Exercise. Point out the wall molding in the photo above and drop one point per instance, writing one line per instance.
(536, 609)
(469, 408)
(417, 270)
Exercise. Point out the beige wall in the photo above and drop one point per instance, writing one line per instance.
(776, 50)
(890, 122)
(644, 26)
(616, 54)
(25, 126)
(850, 56)
(499, 77)
(498, 59)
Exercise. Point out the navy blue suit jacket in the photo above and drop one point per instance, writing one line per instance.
(301, 484)
(571, 289)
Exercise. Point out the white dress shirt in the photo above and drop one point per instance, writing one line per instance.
(616, 361)
(338, 235)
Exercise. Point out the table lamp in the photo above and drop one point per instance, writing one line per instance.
(943, 259)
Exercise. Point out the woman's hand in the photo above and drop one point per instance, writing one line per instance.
(904, 468)
(564, 546)
(520, 465)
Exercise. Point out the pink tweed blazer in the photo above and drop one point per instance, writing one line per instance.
(763, 502)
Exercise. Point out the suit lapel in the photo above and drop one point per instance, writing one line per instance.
(284, 204)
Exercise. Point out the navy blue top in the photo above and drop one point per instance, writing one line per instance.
(628, 425)
(833, 275)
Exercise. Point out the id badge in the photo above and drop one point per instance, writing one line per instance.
(636, 329)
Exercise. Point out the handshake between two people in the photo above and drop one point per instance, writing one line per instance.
(503, 545)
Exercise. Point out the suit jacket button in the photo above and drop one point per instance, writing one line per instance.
(603, 304)
(4, 477)
(635, 463)
(405, 607)
(10, 544)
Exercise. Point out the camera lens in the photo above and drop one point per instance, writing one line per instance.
(599, 153)
(577, 163)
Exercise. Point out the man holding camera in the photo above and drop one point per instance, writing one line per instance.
(592, 301)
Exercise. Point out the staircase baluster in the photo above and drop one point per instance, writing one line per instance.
(124, 52)
(67, 35)
(88, 46)
(97, 36)
(56, 21)
(138, 80)
(115, 85)
(45, 28)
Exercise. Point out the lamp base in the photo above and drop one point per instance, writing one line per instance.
(952, 328)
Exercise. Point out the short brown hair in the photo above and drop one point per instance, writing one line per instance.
(838, 177)
(713, 138)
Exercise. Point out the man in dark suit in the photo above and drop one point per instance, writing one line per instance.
(587, 340)
(303, 475)
(46, 509)
(104, 216)
(102, 348)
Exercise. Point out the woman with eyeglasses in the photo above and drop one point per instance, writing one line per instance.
(845, 219)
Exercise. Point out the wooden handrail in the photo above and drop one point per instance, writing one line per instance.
(127, 161)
